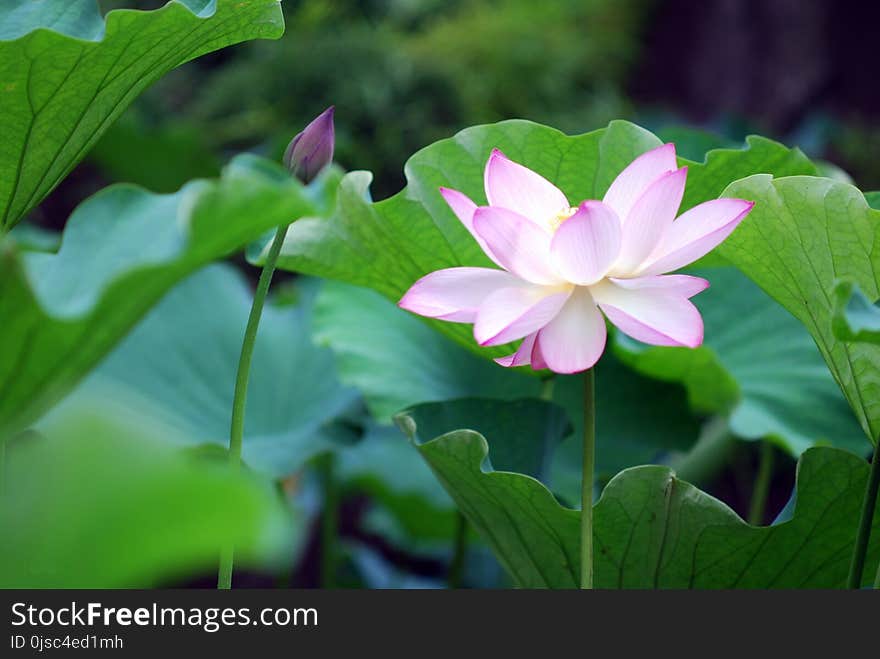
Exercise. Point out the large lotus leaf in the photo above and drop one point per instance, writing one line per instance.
(389, 244)
(67, 74)
(652, 530)
(757, 364)
(102, 504)
(803, 236)
(178, 368)
(122, 250)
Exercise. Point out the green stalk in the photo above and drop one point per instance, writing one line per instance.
(547, 386)
(329, 519)
(857, 565)
(877, 578)
(284, 576)
(588, 475)
(456, 566)
(2, 467)
(761, 490)
(236, 432)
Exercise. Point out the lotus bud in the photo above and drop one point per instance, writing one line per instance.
(312, 149)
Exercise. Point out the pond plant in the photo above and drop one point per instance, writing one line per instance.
(156, 414)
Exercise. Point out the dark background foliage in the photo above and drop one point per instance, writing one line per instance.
(404, 73)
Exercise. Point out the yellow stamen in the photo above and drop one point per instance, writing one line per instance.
(560, 217)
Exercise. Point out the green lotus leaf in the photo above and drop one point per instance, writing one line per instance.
(67, 74)
(758, 365)
(98, 503)
(803, 236)
(178, 366)
(652, 530)
(396, 361)
(122, 250)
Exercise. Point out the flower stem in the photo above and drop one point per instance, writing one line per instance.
(329, 519)
(285, 574)
(239, 400)
(857, 565)
(456, 566)
(877, 578)
(2, 467)
(758, 507)
(587, 479)
(547, 386)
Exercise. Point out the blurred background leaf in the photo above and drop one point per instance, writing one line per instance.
(384, 466)
(296, 405)
(758, 365)
(397, 361)
(166, 155)
(100, 503)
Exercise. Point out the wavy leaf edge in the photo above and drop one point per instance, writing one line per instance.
(407, 425)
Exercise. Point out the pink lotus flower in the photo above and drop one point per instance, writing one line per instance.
(560, 265)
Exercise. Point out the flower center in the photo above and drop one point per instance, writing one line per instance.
(560, 217)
